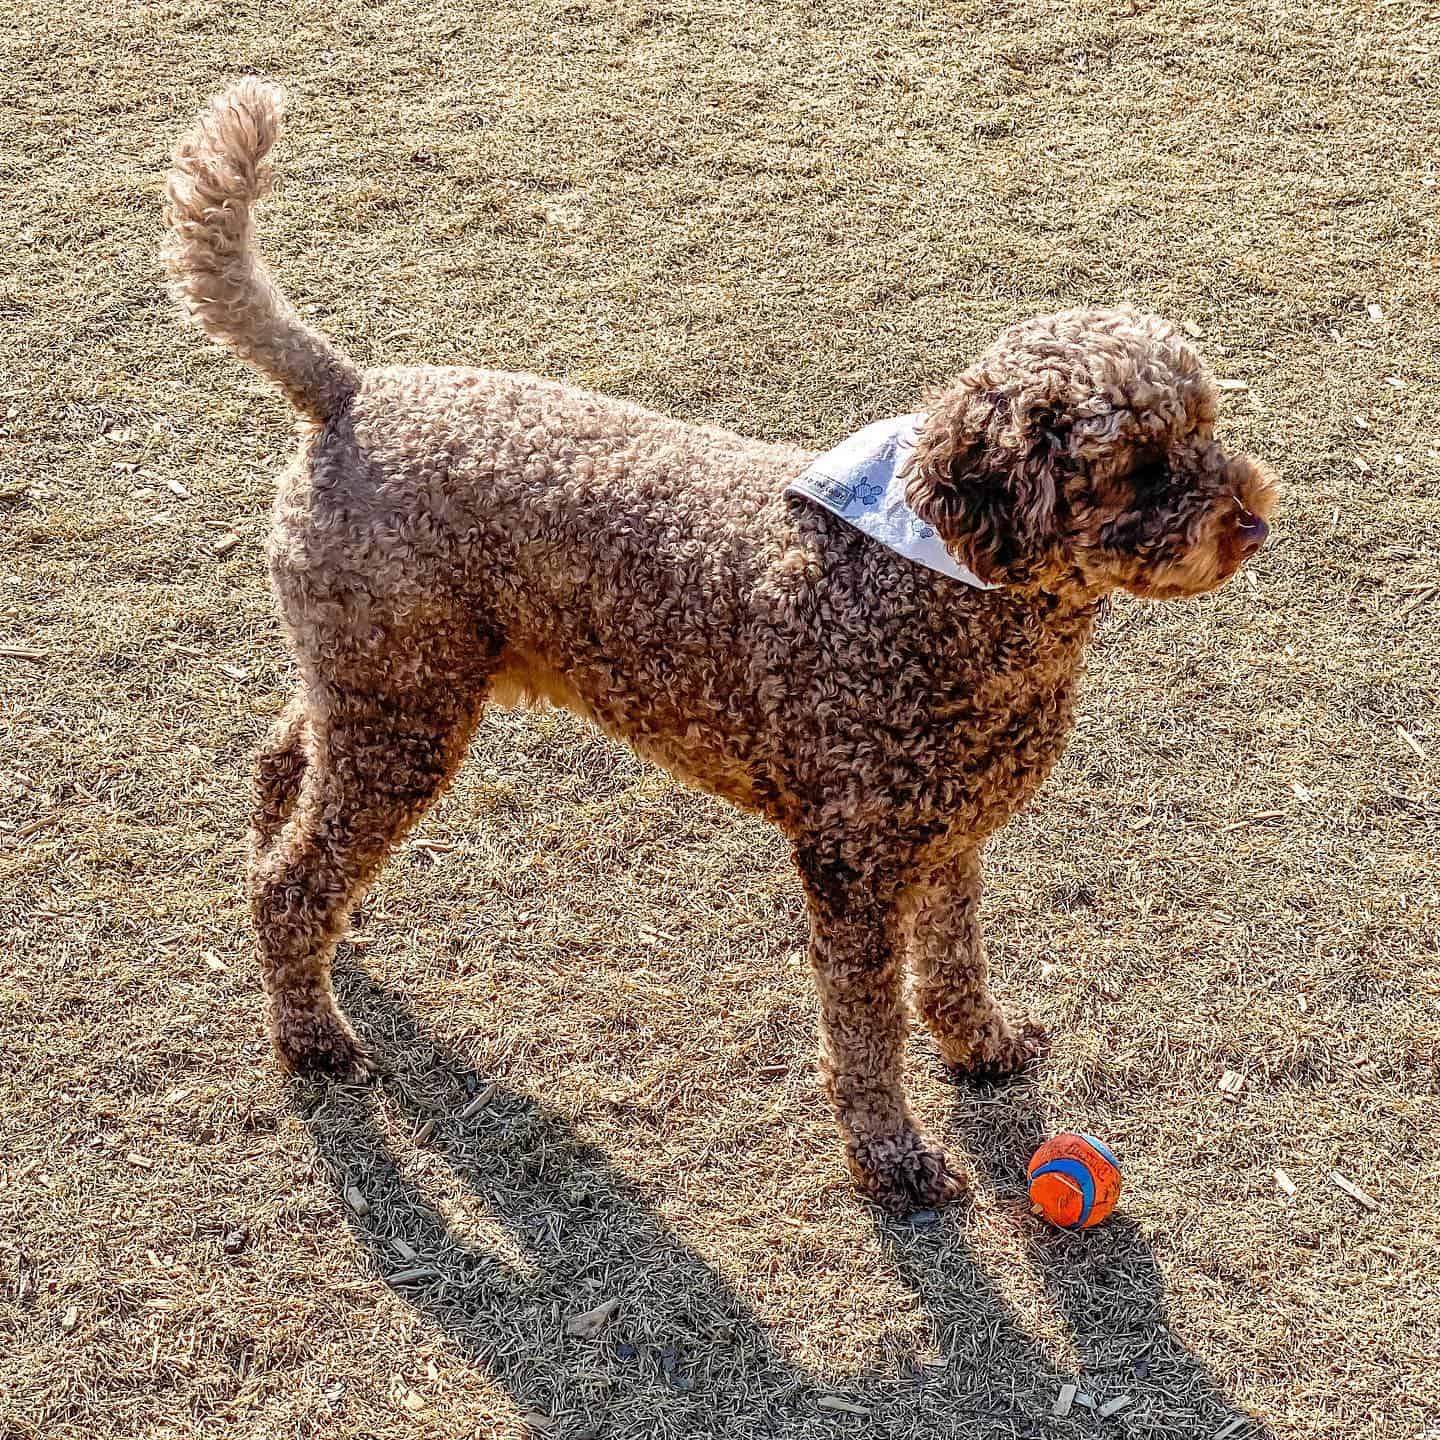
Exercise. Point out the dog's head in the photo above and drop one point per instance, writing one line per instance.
(1079, 451)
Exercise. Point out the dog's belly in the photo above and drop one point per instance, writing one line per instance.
(687, 751)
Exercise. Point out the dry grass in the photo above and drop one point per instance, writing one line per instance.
(786, 218)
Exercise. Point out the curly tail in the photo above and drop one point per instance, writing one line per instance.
(217, 174)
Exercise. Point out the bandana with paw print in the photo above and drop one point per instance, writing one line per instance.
(860, 481)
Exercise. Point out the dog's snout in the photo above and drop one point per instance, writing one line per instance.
(1253, 534)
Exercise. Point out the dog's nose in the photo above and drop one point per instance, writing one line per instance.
(1253, 534)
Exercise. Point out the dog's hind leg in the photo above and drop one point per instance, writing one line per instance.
(855, 951)
(375, 763)
(279, 770)
(951, 977)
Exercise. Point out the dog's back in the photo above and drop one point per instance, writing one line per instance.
(617, 561)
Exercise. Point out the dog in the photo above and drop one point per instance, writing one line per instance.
(449, 538)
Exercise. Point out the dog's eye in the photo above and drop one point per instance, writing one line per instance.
(1149, 472)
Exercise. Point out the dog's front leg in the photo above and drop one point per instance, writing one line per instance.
(855, 951)
(951, 977)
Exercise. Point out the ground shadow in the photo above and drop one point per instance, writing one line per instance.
(1104, 1286)
(562, 1231)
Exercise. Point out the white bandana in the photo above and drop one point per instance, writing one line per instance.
(860, 481)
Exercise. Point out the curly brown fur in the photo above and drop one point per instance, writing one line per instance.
(447, 537)
(950, 978)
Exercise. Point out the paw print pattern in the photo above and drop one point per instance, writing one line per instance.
(870, 482)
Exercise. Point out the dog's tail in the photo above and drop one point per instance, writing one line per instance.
(217, 174)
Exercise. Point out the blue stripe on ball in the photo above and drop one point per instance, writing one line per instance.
(1102, 1148)
(1080, 1175)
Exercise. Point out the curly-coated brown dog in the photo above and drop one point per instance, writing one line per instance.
(447, 537)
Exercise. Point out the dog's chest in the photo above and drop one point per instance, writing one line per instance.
(948, 724)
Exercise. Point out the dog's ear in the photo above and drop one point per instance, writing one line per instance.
(987, 475)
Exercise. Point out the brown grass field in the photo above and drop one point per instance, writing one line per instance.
(786, 218)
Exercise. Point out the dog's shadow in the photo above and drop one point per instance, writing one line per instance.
(511, 1227)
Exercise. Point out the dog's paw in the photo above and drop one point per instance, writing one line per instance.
(905, 1173)
(999, 1050)
(315, 1040)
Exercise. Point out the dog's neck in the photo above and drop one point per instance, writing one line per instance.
(1041, 632)
(1065, 616)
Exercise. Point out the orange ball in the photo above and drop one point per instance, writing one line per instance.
(1074, 1180)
